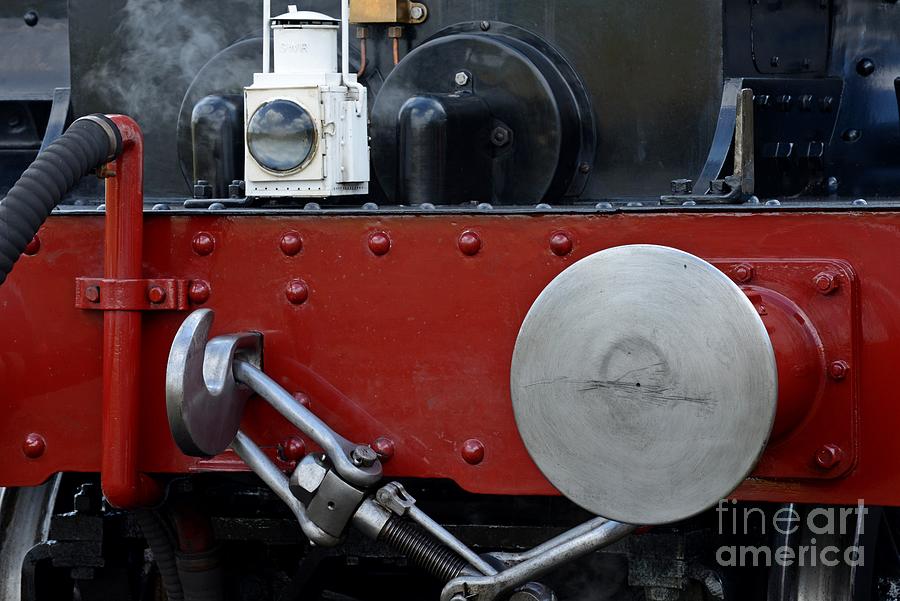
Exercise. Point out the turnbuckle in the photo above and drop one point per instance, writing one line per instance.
(208, 383)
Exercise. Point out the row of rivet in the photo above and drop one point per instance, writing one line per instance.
(292, 448)
(379, 243)
(828, 456)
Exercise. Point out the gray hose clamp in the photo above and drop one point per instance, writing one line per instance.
(112, 132)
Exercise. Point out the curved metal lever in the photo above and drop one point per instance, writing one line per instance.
(204, 402)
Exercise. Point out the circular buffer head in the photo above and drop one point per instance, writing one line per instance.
(644, 384)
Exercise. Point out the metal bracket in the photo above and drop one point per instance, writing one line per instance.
(735, 187)
(388, 11)
(104, 294)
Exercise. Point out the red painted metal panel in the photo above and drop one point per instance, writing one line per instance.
(412, 343)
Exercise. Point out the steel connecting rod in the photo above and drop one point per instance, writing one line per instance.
(338, 449)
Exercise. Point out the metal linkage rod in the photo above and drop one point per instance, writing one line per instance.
(278, 482)
(487, 588)
(441, 533)
(336, 447)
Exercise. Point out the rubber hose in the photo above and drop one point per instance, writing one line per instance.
(163, 553)
(86, 145)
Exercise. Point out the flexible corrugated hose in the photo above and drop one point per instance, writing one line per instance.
(87, 144)
(163, 553)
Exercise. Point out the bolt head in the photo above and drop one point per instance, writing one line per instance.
(363, 456)
(469, 243)
(292, 448)
(829, 456)
(500, 136)
(297, 292)
(826, 282)
(199, 292)
(92, 294)
(307, 478)
(34, 446)
(379, 244)
(743, 273)
(838, 370)
(291, 244)
(203, 244)
(473, 451)
(417, 13)
(33, 247)
(561, 244)
(461, 78)
(156, 294)
(384, 447)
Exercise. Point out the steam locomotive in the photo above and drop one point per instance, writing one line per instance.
(467, 300)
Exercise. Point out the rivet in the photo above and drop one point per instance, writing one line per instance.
(156, 294)
(292, 448)
(291, 243)
(838, 370)
(33, 247)
(92, 294)
(34, 446)
(829, 456)
(561, 244)
(473, 451)
(865, 67)
(379, 243)
(303, 398)
(826, 282)
(297, 292)
(199, 292)
(384, 447)
(743, 273)
(851, 135)
(203, 244)
(469, 243)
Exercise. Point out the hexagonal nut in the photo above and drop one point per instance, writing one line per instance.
(307, 478)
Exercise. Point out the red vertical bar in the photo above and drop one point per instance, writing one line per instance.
(123, 486)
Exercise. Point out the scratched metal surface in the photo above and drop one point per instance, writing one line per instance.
(644, 384)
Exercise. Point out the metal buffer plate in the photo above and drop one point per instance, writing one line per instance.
(644, 384)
